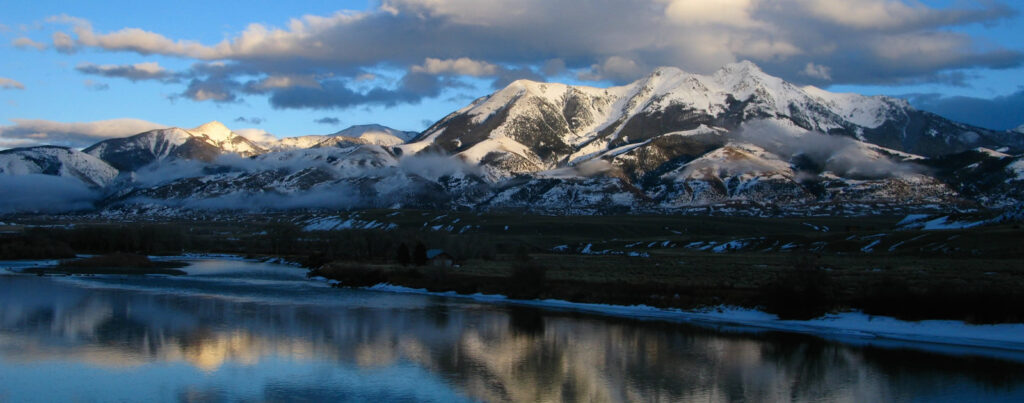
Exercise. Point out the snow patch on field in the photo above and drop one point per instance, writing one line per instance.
(336, 223)
(914, 221)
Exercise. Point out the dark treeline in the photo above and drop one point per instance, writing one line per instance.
(278, 239)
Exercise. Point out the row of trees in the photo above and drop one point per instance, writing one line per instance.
(418, 257)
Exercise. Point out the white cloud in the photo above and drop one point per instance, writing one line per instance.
(703, 12)
(23, 42)
(817, 71)
(257, 135)
(461, 66)
(271, 82)
(63, 42)
(71, 134)
(10, 84)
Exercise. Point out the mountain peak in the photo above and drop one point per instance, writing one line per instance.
(362, 131)
(212, 125)
(1019, 129)
(667, 71)
(214, 130)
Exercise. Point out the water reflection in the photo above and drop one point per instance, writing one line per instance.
(234, 330)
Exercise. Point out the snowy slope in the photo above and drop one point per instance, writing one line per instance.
(219, 135)
(359, 134)
(377, 134)
(203, 143)
(562, 125)
(58, 161)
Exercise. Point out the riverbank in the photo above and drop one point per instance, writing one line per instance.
(849, 327)
(853, 327)
(114, 263)
(793, 286)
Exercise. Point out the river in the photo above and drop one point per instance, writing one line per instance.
(234, 330)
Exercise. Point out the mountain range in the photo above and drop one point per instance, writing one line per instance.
(671, 141)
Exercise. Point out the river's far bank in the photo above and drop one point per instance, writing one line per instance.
(945, 336)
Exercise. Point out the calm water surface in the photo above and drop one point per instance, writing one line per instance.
(242, 331)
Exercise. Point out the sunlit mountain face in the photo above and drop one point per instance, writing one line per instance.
(258, 331)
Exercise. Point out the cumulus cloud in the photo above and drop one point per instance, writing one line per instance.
(889, 14)
(71, 134)
(817, 71)
(734, 13)
(999, 113)
(288, 81)
(63, 42)
(461, 66)
(212, 89)
(337, 94)
(614, 68)
(806, 41)
(10, 84)
(327, 120)
(133, 72)
(23, 43)
(249, 120)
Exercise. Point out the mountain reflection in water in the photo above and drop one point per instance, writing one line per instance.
(235, 330)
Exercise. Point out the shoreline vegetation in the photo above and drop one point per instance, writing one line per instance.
(796, 268)
(113, 263)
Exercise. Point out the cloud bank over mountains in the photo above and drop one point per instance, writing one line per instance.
(317, 61)
(30, 132)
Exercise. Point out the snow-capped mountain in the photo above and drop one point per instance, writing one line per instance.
(672, 141)
(530, 126)
(57, 161)
(205, 143)
(354, 135)
(360, 175)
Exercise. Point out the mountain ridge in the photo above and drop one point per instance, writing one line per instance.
(670, 141)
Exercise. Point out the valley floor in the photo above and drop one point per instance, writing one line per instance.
(954, 267)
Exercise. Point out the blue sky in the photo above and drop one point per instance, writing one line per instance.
(406, 63)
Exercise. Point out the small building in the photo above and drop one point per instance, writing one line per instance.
(440, 258)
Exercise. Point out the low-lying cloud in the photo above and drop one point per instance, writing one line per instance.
(999, 113)
(843, 156)
(345, 184)
(38, 193)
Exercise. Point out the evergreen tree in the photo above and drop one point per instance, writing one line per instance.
(419, 255)
(522, 253)
(403, 255)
